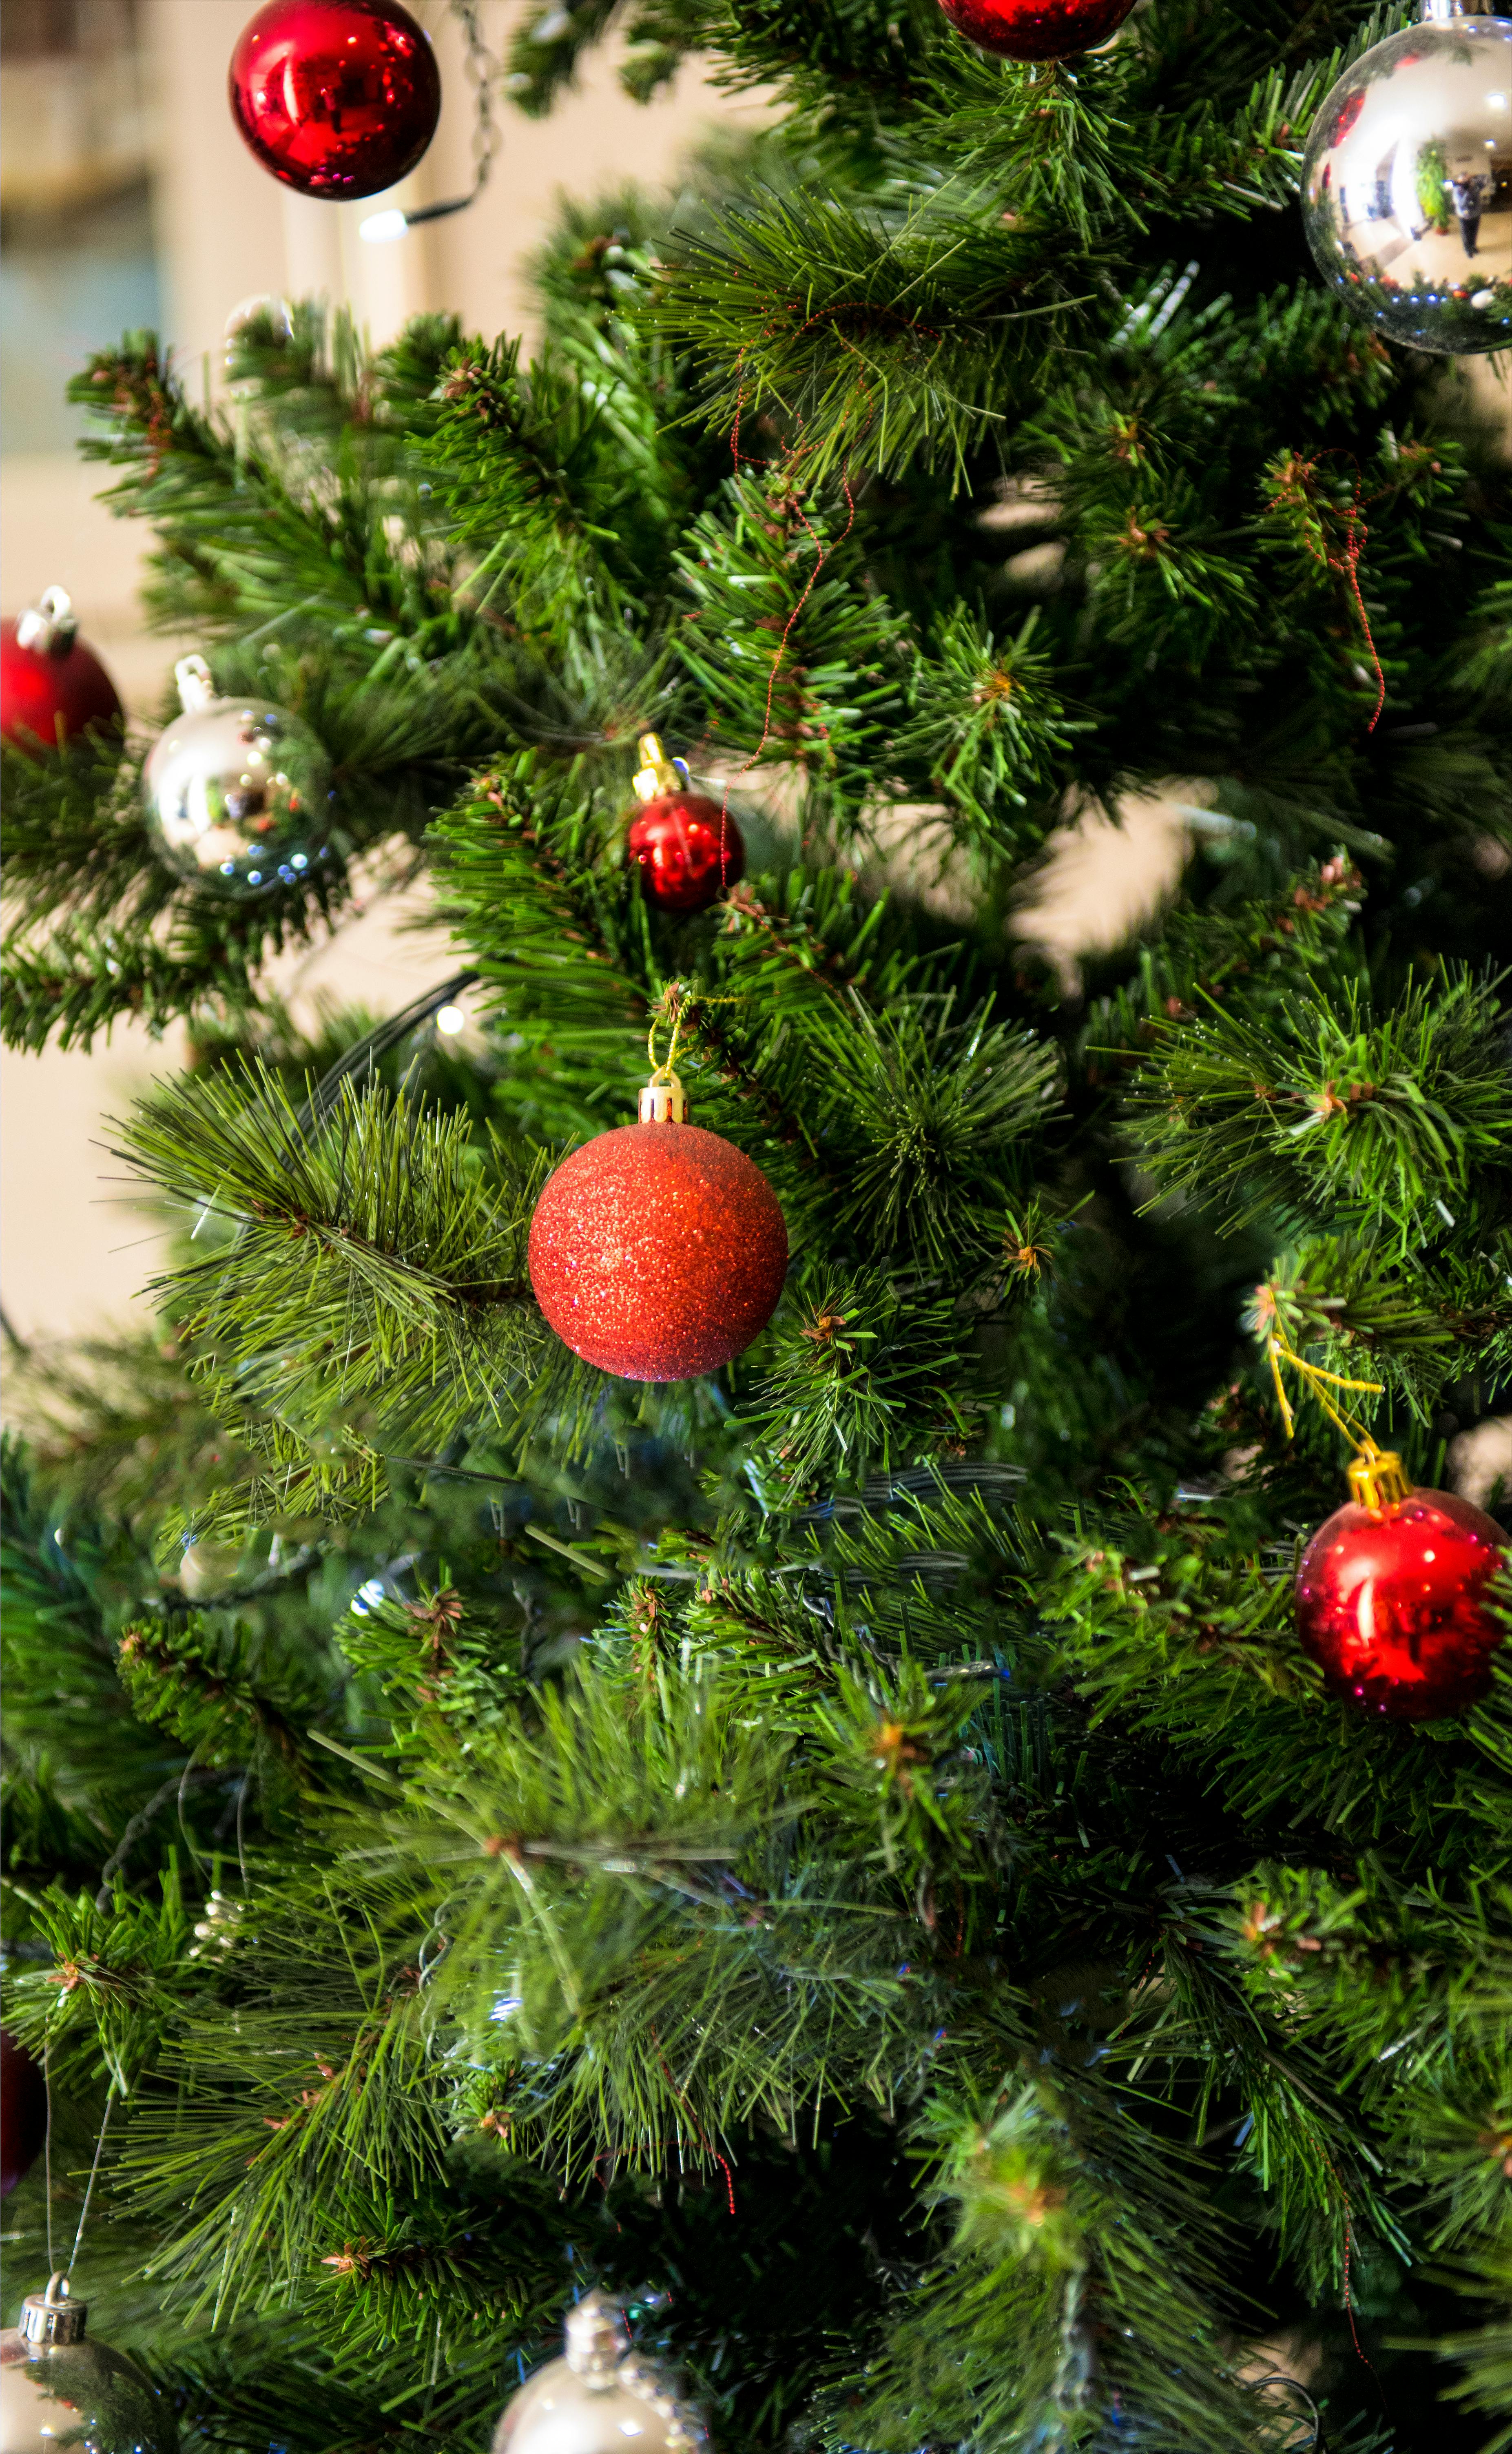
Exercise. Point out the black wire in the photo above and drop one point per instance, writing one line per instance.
(364, 1054)
(482, 68)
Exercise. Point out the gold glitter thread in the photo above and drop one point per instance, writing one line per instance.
(1377, 1477)
(666, 1070)
(663, 1100)
(1278, 1350)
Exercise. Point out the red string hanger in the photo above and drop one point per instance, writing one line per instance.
(1335, 534)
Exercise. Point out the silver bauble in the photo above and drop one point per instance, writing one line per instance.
(1407, 184)
(238, 792)
(60, 2390)
(599, 2398)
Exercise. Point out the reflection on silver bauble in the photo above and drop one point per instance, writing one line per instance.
(238, 792)
(62, 2390)
(262, 314)
(208, 1568)
(263, 320)
(1407, 184)
(601, 2398)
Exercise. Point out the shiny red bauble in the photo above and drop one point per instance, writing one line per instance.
(22, 2111)
(1037, 29)
(687, 849)
(1393, 1602)
(658, 1252)
(337, 98)
(52, 685)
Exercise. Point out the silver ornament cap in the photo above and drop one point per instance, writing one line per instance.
(600, 2397)
(597, 2336)
(53, 2316)
(49, 627)
(237, 791)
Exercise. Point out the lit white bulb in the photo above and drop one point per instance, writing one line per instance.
(450, 1020)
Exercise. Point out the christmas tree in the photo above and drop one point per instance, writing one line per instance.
(870, 1854)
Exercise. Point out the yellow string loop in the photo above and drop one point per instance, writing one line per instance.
(1280, 1349)
(664, 1073)
(675, 1004)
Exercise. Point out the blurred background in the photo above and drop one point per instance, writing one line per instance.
(128, 199)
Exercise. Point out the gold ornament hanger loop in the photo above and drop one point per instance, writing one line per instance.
(663, 1101)
(1377, 1477)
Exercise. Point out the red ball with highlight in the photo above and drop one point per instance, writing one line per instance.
(1394, 1603)
(337, 98)
(658, 1252)
(53, 693)
(1037, 29)
(687, 849)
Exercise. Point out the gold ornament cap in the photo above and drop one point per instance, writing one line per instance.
(658, 774)
(663, 1103)
(1377, 1480)
(53, 2316)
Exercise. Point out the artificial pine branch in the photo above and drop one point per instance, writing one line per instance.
(857, 1837)
(1376, 1121)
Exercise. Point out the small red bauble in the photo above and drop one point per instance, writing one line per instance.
(1393, 1597)
(658, 1251)
(1037, 29)
(337, 98)
(23, 2112)
(50, 684)
(687, 849)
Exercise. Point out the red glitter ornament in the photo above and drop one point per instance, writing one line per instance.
(1037, 29)
(337, 98)
(1393, 1595)
(22, 2111)
(657, 1251)
(687, 849)
(50, 684)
